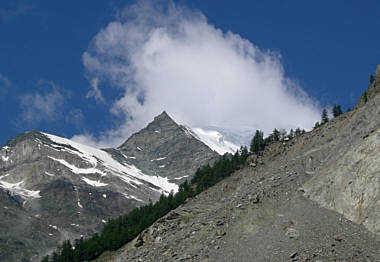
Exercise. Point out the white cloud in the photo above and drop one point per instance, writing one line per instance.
(167, 57)
(95, 91)
(44, 106)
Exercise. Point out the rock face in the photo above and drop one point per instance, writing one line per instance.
(372, 91)
(52, 188)
(313, 198)
(166, 149)
(349, 176)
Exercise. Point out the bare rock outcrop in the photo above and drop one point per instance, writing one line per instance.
(372, 91)
(348, 181)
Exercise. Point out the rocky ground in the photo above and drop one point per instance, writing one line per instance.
(314, 198)
(258, 214)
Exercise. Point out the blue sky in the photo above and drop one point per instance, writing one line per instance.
(327, 48)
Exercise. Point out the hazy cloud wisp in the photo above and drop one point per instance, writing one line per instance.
(5, 84)
(168, 57)
(44, 106)
(17, 8)
(95, 91)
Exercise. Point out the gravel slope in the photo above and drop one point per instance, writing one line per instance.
(266, 211)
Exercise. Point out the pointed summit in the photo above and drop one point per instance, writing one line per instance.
(162, 124)
(167, 149)
(164, 114)
(163, 118)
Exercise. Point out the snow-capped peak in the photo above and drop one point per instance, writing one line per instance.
(213, 139)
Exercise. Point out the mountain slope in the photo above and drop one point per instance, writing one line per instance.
(167, 149)
(353, 172)
(275, 209)
(52, 188)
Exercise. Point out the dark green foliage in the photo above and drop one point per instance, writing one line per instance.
(67, 252)
(209, 176)
(257, 143)
(273, 137)
(371, 78)
(317, 125)
(324, 117)
(276, 135)
(348, 109)
(337, 110)
(243, 152)
(55, 257)
(120, 231)
(365, 97)
(299, 131)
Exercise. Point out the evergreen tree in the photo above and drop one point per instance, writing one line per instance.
(298, 132)
(316, 125)
(257, 143)
(291, 134)
(324, 117)
(276, 135)
(371, 78)
(67, 252)
(243, 152)
(55, 257)
(268, 139)
(337, 110)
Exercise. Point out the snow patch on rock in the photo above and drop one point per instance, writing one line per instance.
(127, 173)
(17, 189)
(78, 170)
(93, 182)
(49, 174)
(213, 139)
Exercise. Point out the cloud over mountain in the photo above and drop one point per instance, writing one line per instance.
(162, 56)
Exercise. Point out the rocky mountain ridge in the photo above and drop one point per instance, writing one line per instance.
(52, 188)
(168, 149)
(313, 198)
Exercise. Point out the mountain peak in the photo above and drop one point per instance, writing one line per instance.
(163, 117)
(167, 149)
(24, 136)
